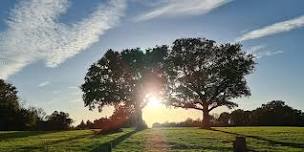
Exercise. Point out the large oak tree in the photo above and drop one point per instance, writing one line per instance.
(125, 77)
(204, 75)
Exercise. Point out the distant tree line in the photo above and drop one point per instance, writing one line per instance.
(122, 117)
(274, 113)
(187, 123)
(14, 116)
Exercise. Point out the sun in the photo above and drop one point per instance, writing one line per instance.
(153, 101)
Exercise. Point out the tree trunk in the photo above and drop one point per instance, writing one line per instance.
(140, 124)
(206, 119)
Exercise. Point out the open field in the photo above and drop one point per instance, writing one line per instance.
(166, 139)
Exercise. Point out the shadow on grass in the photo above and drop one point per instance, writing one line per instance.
(180, 146)
(273, 142)
(22, 134)
(46, 144)
(113, 143)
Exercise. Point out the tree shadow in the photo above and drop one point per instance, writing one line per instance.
(45, 144)
(273, 142)
(22, 134)
(66, 140)
(181, 146)
(113, 143)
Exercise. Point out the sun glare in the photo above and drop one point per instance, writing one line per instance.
(154, 101)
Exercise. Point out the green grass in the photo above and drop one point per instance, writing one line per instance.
(276, 139)
(80, 140)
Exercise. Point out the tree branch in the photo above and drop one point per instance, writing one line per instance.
(220, 88)
(193, 89)
(227, 103)
(213, 107)
(187, 106)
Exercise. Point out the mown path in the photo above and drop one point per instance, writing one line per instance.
(156, 142)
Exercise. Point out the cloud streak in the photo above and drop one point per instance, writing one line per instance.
(43, 84)
(171, 8)
(275, 28)
(34, 33)
(260, 51)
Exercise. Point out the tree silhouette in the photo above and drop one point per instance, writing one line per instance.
(125, 77)
(224, 119)
(240, 117)
(204, 75)
(273, 113)
(82, 125)
(277, 113)
(9, 106)
(58, 121)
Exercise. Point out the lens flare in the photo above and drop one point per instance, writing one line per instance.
(153, 102)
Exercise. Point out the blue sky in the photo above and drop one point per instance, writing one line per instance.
(47, 46)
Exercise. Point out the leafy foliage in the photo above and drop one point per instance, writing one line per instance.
(124, 78)
(187, 123)
(123, 116)
(58, 121)
(274, 113)
(13, 116)
(204, 75)
(9, 106)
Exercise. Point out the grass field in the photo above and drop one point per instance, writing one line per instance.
(274, 139)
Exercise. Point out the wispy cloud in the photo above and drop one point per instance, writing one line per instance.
(273, 29)
(34, 33)
(169, 8)
(260, 51)
(73, 87)
(43, 84)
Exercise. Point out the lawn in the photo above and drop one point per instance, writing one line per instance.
(79, 140)
(274, 139)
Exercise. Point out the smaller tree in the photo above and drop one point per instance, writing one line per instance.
(26, 119)
(90, 124)
(224, 119)
(276, 113)
(58, 121)
(120, 117)
(9, 106)
(240, 117)
(82, 125)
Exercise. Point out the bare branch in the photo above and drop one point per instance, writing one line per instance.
(213, 107)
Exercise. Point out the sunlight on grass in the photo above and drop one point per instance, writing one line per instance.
(79, 140)
(194, 139)
(272, 139)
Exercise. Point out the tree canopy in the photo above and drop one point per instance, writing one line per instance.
(14, 116)
(125, 77)
(195, 73)
(204, 75)
(58, 121)
(9, 105)
(273, 113)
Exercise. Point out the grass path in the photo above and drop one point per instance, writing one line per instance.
(156, 142)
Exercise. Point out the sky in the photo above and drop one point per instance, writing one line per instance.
(46, 46)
